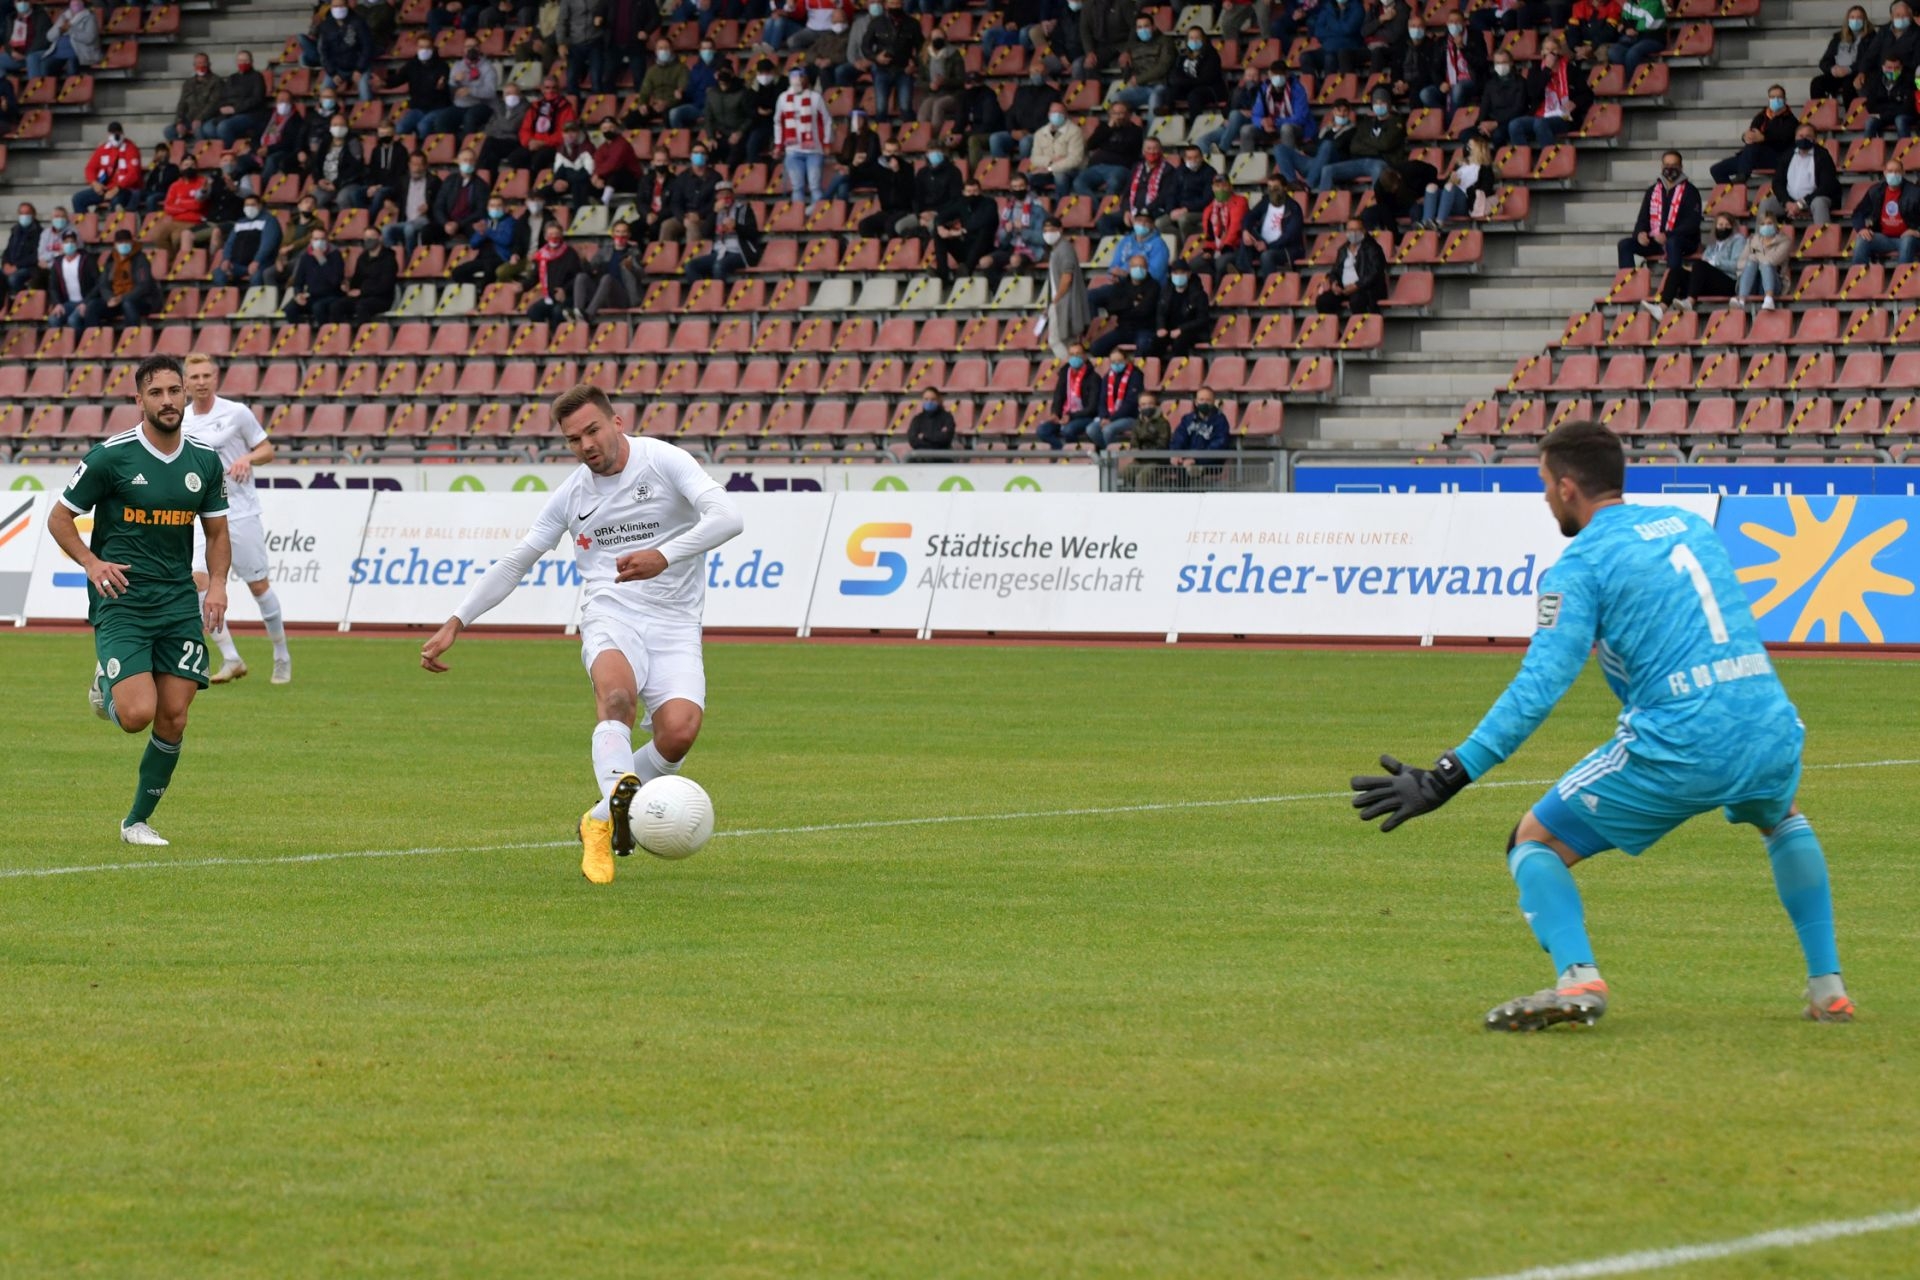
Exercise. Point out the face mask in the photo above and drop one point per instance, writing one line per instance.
(619, 241)
(928, 406)
(339, 14)
(797, 86)
(1895, 179)
(1194, 45)
(935, 159)
(243, 67)
(1455, 30)
(873, 10)
(1721, 233)
(1119, 364)
(1051, 237)
(1890, 76)
(496, 213)
(663, 56)
(1670, 173)
(71, 250)
(1278, 82)
(423, 54)
(1503, 68)
(26, 219)
(338, 131)
(1901, 24)
(1380, 110)
(937, 43)
(1073, 6)
(115, 139)
(1142, 230)
(1804, 146)
(1768, 231)
(1855, 25)
(23, 7)
(1056, 119)
(1339, 121)
(512, 100)
(1222, 194)
(1019, 194)
(763, 81)
(319, 246)
(1180, 280)
(1074, 362)
(326, 106)
(535, 206)
(59, 224)
(698, 159)
(1777, 104)
(1136, 273)
(252, 211)
(123, 249)
(466, 168)
(1353, 237)
(1143, 34)
(1204, 408)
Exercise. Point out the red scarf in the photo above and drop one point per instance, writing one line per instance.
(1116, 390)
(1075, 379)
(1153, 176)
(1459, 70)
(1214, 221)
(545, 254)
(1658, 213)
(1557, 101)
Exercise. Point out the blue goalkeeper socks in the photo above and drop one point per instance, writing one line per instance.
(1800, 874)
(1551, 903)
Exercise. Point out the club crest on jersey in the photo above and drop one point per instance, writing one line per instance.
(642, 491)
(1548, 611)
(192, 482)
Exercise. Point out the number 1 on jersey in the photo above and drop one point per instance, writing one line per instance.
(1684, 561)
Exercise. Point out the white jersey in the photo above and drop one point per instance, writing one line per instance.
(230, 430)
(661, 501)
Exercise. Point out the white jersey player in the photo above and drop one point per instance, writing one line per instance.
(641, 515)
(230, 430)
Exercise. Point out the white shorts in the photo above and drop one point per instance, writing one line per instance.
(248, 538)
(664, 653)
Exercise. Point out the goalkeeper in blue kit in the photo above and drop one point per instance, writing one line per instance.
(1704, 725)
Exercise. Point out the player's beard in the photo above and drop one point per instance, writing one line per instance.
(156, 422)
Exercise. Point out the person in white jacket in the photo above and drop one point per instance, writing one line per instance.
(802, 131)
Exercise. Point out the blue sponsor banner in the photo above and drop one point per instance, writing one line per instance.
(1706, 478)
(1833, 570)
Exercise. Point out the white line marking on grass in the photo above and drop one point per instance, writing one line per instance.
(1027, 815)
(1680, 1255)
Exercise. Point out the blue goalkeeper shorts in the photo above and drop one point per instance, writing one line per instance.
(1614, 800)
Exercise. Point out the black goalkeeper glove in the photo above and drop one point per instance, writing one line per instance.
(1406, 792)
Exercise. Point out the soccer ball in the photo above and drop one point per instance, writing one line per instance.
(672, 817)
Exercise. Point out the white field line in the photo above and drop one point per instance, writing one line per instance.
(1680, 1255)
(16, 873)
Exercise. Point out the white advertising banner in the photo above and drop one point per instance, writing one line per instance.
(1318, 564)
(1088, 562)
(23, 528)
(968, 477)
(765, 577)
(424, 552)
(312, 542)
(876, 572)
(58, 590)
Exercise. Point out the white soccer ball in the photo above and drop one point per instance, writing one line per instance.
(671, 817)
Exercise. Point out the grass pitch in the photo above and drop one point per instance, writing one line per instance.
(1219, 1041)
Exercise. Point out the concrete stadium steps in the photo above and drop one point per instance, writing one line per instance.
(144, 104)
(1533, 281)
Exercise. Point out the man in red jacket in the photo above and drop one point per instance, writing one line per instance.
(1222, 226)
(183, 219)
(546, 121)
(113, 173)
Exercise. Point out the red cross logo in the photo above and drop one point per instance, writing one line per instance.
(584, 542)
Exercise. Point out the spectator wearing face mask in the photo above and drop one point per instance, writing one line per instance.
(616, 167)
(892, 47)
(1470, 186)
(184, 219)
(1193, 181)
(980, 120)
(1463, 65)
(1147, 67)
(1379, 142)
(1418, 67)
(1844, 59)
(1205, 430)
(501, 138)
(1151, 433)
(1897, 41)
(1033, 106)
(963, 232)
(530, 222)
(1886, 224)
(1147, 194)
(611, 277)
(460, 206)
(1643, 26)
(1337, 25)
(737, 242)
(300, 230)
(383, 170)
(474, 83)
(1766, 144)
(944, 70)
(1235, 133)
(72, 43)
(1019, 242)
(1076, 400)
(1142, 241)
(1113, 152)
(283, 139)
(1357, 280)
(662, 89)
(24, 33)
(936, 185)
(1197, 82)
(580, 33)
(555, 268)
(893, 188)
(765, 99)
(1223, 229)
(1276, 233)
(1117, 407)
(931, 428)
(1668, 226)
(124, 292)
(412, 200)
(247, 255)
(1329, 148)
(20, 262)
(729, 118)
(802, 132)
(198, 103)
(1185, 322)
(1890, 107)
(370, 287)
(112, 174)
(1763, 264)
(828, 51)
(702, 76)
(492, 245)
(1068, 315)
(1711, 276)
(1385, 35)
(1058, 153)
(344, 43)
(52, 240)
(1503, 100)
(1282, 115)
(1593, 24)
(427, 80)
(1807, 185)
(1558, 96)
(856, 157)
(337, 168)
(71, 277)
(318, 277)
(690, 200)
(568, 180)
(543, 128)
(155, 181)
(243, 104)
(1134, 303)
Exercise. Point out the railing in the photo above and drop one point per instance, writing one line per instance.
(1158, 471)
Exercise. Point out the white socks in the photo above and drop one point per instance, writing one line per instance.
(228, 649)
(613, 758)
(649, 764)
(276, 624)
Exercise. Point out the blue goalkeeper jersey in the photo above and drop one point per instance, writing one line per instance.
(1653, 588)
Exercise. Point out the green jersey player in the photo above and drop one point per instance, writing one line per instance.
(145, 488)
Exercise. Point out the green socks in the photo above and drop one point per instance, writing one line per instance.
(156, 770)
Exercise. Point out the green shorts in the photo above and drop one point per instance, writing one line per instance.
(129, 645)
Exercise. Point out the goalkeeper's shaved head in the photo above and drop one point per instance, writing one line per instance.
(1589, 455)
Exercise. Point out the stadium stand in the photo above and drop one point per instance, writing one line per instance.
(825, 340)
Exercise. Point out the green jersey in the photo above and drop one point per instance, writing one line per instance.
(144, 505)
